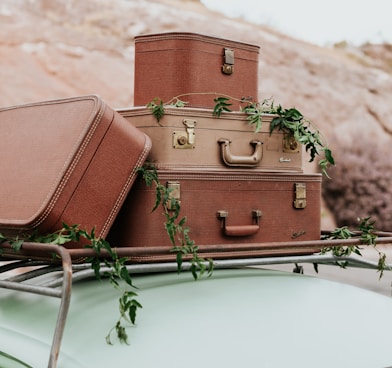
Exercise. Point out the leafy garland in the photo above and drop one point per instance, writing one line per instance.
(367, 235)
(293, 122)
(128, 304)
(290, 121)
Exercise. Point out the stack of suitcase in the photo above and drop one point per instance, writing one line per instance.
(235, 187)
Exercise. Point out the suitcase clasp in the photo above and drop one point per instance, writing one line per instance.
(299, 195)
(290, 144)
(174, 195)
(228, 64)
(187, 139)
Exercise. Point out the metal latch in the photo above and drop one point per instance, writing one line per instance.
(174, 194)
(290, 144)
(187, 139)
(299, 195)
(228, 63)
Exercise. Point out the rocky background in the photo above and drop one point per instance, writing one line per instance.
(61, 48)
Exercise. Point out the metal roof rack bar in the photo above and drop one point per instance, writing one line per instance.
(64, 293)
(84, 271)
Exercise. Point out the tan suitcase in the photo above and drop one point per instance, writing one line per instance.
(69, 160)
(174, 63)
(228, 209)
(194, 139)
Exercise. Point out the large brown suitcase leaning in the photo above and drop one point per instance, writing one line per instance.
(229, 209)
(68, 160)
(193, 139)
(174, 63)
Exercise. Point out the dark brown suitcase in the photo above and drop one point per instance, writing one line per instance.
(230, 209)
(68, 160)
(174, 63)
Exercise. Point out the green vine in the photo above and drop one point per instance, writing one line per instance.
(157, 106)
(182, 244)
(128, 304)
(290, 121)
(368, 237)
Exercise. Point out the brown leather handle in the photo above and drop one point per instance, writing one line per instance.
(244, 230)
(237, 160)
(240, 230)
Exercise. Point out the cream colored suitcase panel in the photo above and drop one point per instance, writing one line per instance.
(192, 138)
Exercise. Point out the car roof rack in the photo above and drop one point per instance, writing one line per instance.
(72, 265)
(18, 282)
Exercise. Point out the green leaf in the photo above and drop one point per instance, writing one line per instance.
(16, 244)
(210, 267)
(179, 261)
(124, 274)
(132, 313)
(157, 108)
(179, 103)
(121, 333)
(276, 123)
(194, 271)
(328, 156)
(381, 264)
(96, 267)
(221, 104)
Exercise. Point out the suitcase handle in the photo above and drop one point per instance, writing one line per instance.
(240, 230)
(246, 161)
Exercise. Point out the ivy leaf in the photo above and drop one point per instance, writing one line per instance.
(133, 307)
(179, 261)
(16, 244)
(221, 104)
(276, 123)
(124, 274)
(381, 264)
(194, 271)
(157, 108)
(210, 267)
(179, 103)
(121, 333)
(328, 156)
(254, 113)
(96, 267)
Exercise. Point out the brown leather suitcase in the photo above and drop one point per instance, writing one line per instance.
(193, 139)
(228, 209)
(68, 160)
(174, 63)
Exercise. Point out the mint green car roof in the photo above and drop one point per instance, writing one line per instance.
(236, 318)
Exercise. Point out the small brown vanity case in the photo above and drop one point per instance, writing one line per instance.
(193, 139)
(174, 63)
(68, 160)
(226, 213)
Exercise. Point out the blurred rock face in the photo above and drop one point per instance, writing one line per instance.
(60, 48)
